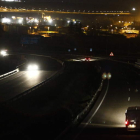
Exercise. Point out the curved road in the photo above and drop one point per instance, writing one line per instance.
(106, 120)
(20, 82)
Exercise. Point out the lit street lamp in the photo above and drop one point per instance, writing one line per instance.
(48, 30)
(133, 9)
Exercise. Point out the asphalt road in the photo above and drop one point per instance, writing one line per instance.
(106, 120)
(20, 82)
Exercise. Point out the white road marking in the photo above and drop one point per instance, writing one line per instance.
(99, 104)
(128, 99)
(88, 122)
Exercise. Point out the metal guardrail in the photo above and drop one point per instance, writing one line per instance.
(9, 73)
(81, 114)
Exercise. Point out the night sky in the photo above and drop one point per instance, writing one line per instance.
(134, 2)
(103, 3)
(124, 5)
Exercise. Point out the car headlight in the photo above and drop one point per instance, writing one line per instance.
(3, 52)
(32, 67)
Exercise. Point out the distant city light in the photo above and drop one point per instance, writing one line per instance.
(13, 17)
(36, 20)
(6, 20)
(7, 0)
(12, 0)
(68, 21)
(20, 20)
(50, 20)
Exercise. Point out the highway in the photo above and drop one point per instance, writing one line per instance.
(106, 119)
(20, 82)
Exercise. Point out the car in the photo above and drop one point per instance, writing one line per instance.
(87, 59)
(111, 54)
(132, 120)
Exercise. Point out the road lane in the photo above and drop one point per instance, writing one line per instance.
(120, 95)
(123, 92)
(20, 82)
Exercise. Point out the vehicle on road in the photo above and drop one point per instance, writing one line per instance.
(87, 59)
(132, 120)
(111, 54)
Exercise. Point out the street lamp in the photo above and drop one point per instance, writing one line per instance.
(133, 9)
(48, 30)
(30, 29)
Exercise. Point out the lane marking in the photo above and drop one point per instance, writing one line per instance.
(99, 104)
(85, 124)
(128, 99)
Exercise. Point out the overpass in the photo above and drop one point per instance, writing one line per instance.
(10, 10)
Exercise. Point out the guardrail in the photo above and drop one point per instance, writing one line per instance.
(85, 111)
(35, 87)
(9, 73)
(82, 114)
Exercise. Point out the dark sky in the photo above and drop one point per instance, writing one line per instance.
(128, 3)
(124, 5)
(100, 4)
(94, 1)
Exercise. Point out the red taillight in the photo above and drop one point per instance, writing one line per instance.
(88, 59)
(126, 122)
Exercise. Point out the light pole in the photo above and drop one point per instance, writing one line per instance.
(48, 30)
(134, 9)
